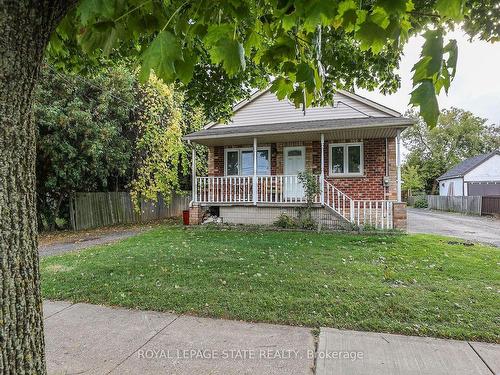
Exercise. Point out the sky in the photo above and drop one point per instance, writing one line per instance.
(477, 82)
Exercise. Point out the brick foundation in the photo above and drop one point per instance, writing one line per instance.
(399, 215)
(196, 215)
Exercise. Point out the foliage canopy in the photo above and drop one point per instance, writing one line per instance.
(288, 40)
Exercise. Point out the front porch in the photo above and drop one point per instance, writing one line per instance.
(285, 191)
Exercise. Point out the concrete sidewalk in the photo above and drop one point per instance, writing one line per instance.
(83, 338)
(368, 353)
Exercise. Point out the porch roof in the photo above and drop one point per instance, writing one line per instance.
(351, 128)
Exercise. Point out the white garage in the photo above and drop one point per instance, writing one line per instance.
(476, 176)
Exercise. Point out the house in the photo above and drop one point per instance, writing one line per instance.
(477, 176)
(352, 147)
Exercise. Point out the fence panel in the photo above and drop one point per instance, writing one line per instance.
(490, 205)
(93, 210)
(467, 205)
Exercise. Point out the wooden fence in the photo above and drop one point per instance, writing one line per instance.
(467, 205)
(93, 210)
(490, 205)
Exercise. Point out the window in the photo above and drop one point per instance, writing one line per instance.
(239, 161)
(346, 159)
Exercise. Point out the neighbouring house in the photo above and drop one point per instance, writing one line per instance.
(476, 176)
(351, 146)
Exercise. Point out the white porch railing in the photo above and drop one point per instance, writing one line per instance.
(288, 189)
(225, 189)
(269, 189)
(376, 213)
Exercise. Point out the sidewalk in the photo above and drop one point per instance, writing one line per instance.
(83, 338)
(90, 339)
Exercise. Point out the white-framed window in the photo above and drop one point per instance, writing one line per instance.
(346, 159)
(239, 161)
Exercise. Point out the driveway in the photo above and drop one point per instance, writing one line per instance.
(470, 228)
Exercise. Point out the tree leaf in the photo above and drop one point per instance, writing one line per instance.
(452, 49)
(223, 48)
(453, 9)
(433, 47)
(317, 12)
(392, 6)
(424, 96)
(101, 35)
(185, 67)
(160, 56)
(282, 87)
(371, 35)
(443, 81)
(430, 64)
(215, 33)
(305, 74)
(380, 17)
(231, 54)
(346, 15)
(89, 10)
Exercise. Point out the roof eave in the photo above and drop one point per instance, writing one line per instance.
(441, 178)
(194, 137)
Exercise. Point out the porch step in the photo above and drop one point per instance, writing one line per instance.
(331, 219)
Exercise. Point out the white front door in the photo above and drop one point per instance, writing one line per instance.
(295, 162)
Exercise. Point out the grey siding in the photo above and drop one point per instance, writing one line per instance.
(267, 109)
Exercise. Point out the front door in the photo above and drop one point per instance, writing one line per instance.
(295, 162)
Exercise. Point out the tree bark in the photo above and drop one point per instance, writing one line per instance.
(25, 28)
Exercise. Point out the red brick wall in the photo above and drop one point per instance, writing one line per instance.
(216, 161)
(369, 186)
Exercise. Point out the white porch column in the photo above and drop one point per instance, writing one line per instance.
(193, 172)
(398, 163)
(255, 191)
(322, 173)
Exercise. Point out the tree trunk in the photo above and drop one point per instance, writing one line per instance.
(25, 28)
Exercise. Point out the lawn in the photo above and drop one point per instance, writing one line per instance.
(409, 284)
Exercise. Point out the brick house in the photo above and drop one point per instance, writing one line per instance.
(351, 147)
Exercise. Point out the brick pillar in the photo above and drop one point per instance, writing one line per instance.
(195, 214)
(399, 215)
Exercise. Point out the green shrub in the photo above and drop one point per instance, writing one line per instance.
(286, 221)
(420, 202)
(307, 222)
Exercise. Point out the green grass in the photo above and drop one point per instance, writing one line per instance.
(413, 284)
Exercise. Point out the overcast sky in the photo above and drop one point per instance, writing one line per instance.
(476, 86)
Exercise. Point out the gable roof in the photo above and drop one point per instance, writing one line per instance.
(263, 107)
(467, 165)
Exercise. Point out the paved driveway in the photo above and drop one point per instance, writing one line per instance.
(471, 228)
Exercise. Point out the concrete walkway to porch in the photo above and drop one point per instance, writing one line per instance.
(90, 339)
